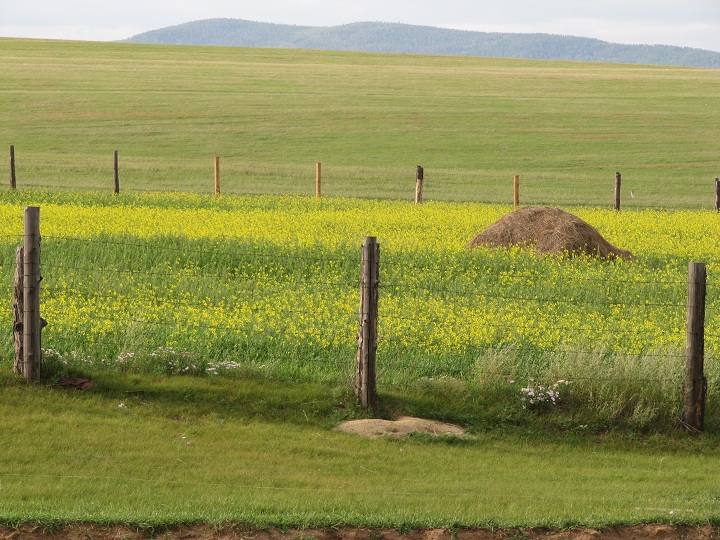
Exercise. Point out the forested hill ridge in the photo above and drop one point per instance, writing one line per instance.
(427, 40)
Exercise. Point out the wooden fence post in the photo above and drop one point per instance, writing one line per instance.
(18, 311)
(115, 169)
(516, 191)
(318, 179)
(695, 382)
(217, 175)
(419, 176)
(31, 295)
(717, 194)
(365, 383)
(13, 182)
(618, 178)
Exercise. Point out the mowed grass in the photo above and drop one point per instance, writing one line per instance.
(155, 452)
(473, 123)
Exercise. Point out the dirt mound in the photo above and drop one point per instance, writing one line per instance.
(405, 425)
(548, 230)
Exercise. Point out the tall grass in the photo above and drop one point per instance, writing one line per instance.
(268, 286)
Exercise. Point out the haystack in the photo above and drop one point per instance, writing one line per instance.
(548, 230)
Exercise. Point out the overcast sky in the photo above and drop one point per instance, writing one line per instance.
(690, 23)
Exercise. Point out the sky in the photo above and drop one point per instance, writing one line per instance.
(687, 23)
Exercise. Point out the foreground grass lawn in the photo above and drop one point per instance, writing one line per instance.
(181, 449)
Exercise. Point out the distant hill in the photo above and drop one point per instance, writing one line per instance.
(411, 39)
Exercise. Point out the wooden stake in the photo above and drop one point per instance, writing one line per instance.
(318, 179)
(217, 175)
(31, 295)
(365, 383)
(13, 182)
(516, 191)
(695, 382)
(18, 311)
(115, 169)
(419, 176)
(618, 178)
(717, 194)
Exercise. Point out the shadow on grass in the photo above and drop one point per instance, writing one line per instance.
(485, 411)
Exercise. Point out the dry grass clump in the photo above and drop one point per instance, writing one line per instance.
(548, 230)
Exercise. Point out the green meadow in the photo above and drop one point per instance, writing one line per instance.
(203, 321)
(270, 115)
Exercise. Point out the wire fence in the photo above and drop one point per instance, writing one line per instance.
(110, 295)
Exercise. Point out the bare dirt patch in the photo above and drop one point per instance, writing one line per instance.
(372, 427)
(548, 231)
(227, 532)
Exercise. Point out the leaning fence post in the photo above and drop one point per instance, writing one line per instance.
(695, 388)
(18, 311)
(365, 383)
(13, 182)
(31, 295)
(618, 178)
(419, 176)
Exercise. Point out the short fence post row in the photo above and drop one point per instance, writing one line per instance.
(365, 384)
(695, 389)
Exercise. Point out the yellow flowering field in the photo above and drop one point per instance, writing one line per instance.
(186, 283)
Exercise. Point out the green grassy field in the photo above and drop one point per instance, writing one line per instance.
(473, 123)
(236, 279)
(164, 451)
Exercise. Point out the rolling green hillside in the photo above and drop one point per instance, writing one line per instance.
(412, 39)
(271, 114)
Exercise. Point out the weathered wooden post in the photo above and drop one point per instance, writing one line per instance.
(695, 382)
(618, 178)
(419, 176)
(717, 194)
(31, 295)
(217, 175)
(318, 179)
(365, 383)
(13, 180)
(18, 311)
(115, 169)
(516, 191)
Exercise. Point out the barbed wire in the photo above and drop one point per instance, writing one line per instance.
(229, 275)
(480, 294)
(509, 326)
(253, 250)
(525, 274)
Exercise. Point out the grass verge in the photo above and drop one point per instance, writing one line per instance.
(161, 451)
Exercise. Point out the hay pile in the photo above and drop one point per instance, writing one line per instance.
(551, 231)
